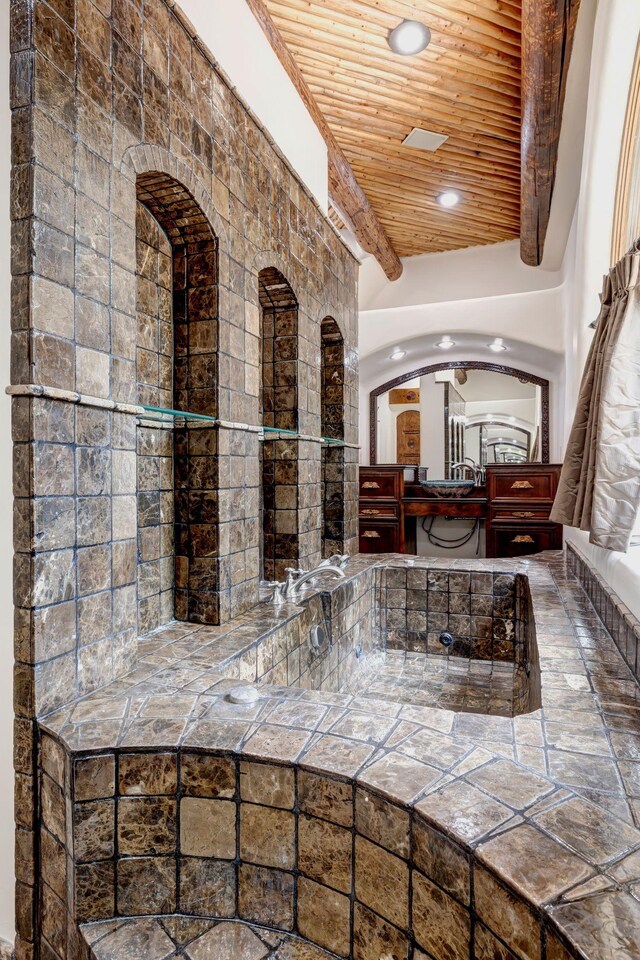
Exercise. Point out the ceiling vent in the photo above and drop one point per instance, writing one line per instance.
(424, 140)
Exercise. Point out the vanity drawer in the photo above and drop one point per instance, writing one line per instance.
(518, 540)
(527, 482)
(376, 485)
(520, 512)
(370, 510)
(380, 537)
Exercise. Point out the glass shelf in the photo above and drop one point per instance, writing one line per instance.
(169, 418)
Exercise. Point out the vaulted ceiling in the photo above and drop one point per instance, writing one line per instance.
(465, 85)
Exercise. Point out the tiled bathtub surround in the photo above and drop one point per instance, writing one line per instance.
(490, 665)
(621, 624)
(400, 828)
(485, 613)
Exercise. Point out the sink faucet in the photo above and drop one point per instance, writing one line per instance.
(297, 579)
(474, 471)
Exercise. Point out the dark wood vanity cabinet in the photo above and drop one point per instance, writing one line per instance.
(520, 499)
(380, 511)
(516, 504)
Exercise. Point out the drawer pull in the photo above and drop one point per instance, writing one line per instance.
(369, 513)
(370, 485)
(521, 485)
(371, 535)
(523, 513)
(523, 538)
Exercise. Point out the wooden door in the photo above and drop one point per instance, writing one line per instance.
(408, 437)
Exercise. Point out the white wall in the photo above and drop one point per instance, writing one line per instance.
(451, 530)
(236, 40)
(6, 508)
(432, 426)
(589, 253)
(495, 270)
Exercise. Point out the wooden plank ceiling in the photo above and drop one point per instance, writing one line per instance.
(466, 85)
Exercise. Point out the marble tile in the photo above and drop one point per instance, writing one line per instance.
(227, 941)
(464, 810)
(325, 852)
(324, 916)
(507, 916)
(440, 924)
(265, 896)
(381, 882)
(140, 940)
(603, 926)
(208, 828)
(522, 855)
(589, 830)
(267, 836)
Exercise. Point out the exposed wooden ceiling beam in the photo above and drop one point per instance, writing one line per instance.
(343, 186)
(548, 28)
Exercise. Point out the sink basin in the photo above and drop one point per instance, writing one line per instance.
(448, 489)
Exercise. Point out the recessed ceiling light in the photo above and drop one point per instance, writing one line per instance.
(409, 37)
(446, 343)
(398, 354)
(449, 198)
(497, 346)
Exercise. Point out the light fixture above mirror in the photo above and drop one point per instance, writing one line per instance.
(446, 342)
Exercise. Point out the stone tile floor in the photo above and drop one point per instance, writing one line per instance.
(549, 801)
(447, 682)
(165, 938)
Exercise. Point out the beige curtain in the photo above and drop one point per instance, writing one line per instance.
(599, 487)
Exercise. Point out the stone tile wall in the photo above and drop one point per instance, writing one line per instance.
(485, 613)
(116, 104)
(206, 835)
(154, 446)
(332, 425)
(105, 119)
(623, 626)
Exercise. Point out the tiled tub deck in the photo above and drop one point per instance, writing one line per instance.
(368, 827)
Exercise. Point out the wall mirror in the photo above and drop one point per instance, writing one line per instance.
(446, 415)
